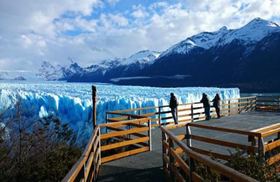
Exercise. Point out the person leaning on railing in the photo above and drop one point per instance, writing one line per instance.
(217, 105)
(173, 104)
(206, 104)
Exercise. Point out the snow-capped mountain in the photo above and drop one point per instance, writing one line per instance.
(50, 72)
(251, 33)
(247, 57)
(141, 57)
(117, 67)
(137, 61)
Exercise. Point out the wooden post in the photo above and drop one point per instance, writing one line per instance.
(192, 117)
(85, 172)
(171, 160)
(255, 102)
(252, 104)
(129, 126)
(191, 166)
(150, 134)
(278, 104)
(99, 150)
(93, 88)
(107, 117)
(159, 115)
(228, 107)
(252, 139)
(188, 136)
(177, 116)
(163, 150)
(261, 148)
(248, 107)
(238, 106)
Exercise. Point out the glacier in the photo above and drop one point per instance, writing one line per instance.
(72, 103)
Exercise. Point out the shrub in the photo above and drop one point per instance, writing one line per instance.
(253, 166)
(36, 150)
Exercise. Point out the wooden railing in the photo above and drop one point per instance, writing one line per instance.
(125, 138)
(189, 112)
(251, 146)
(128, 132)
(109, 142)
(268, 103)
(238, 105)
(87, 167)
(264, 142)
(179, 162)
(271, 143)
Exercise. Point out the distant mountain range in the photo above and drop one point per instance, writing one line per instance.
(248, 58)
(102, 72)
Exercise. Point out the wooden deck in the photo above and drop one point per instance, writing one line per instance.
(148, 166)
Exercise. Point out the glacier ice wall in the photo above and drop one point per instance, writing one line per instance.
(71, 102)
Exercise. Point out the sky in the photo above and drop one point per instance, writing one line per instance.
(88, 31)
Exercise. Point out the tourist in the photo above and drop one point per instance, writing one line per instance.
(216, 104)
(206, 105)
(173, 106)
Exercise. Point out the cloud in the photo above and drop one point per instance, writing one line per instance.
(88, 31)
(29, 33)
(139, 12)
(113, 19)
(113, 2)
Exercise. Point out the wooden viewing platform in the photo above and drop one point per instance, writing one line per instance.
(138, 145)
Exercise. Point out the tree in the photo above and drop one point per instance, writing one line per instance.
(36, 149)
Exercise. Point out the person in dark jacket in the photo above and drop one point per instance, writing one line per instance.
(173, 106)
(216, 104)
(206, 105)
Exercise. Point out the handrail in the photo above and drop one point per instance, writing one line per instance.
(87, 167)
(230, 130)
(222, 169)
(274, 143)
(167, 106)
(127, 135)
(190, 110)
(83, 166)
(268, 103)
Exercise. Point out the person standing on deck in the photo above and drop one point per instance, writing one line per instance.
(206, 105)
(216, 104)
(173, 104)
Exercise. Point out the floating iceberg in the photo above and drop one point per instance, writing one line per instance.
(72, 103)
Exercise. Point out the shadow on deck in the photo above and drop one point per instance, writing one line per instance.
(128, 174)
